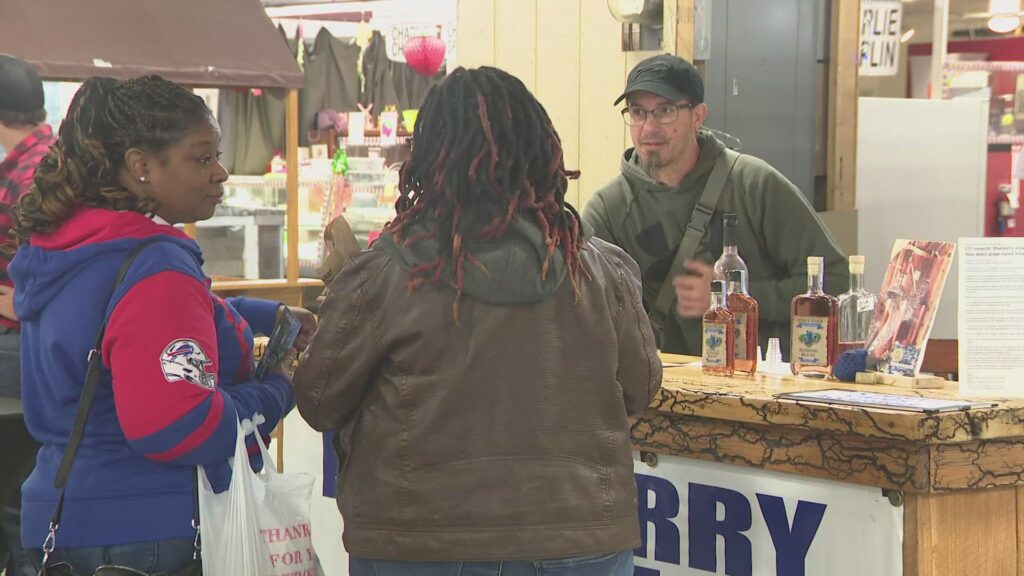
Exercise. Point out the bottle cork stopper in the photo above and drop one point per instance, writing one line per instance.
(814, 264)
(856, 264)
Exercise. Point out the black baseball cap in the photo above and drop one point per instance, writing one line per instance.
(21, 89)
(668, 76)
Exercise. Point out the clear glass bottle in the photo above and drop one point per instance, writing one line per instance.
(815, 326)
(719, 335)
(856, 309)
(730, 259)
(743, 308)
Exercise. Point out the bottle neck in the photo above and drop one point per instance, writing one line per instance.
(856, 282)
(814, 282)
(718, 300)
(729, 240)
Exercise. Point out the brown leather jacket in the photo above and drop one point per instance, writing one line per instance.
(503, 436)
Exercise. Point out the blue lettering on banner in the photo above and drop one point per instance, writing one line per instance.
(792, 541)
(666, 505)
(791, 544)
(704, 528)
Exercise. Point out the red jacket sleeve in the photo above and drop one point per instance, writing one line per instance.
(161, 347)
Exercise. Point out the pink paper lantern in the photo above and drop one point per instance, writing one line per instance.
(425, 54)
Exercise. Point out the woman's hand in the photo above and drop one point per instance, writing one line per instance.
(308, 328)
(286, 366)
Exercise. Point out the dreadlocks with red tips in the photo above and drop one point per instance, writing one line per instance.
(484, 151)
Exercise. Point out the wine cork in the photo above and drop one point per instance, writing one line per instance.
(814, 264)
(856, 264)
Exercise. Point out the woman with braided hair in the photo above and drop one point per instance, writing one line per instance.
(481, 360)
(134, 158)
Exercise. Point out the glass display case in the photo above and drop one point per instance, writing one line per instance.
(247, 236)
(368, 197)
(368, 201)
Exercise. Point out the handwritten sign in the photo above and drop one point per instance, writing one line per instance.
(880, 29)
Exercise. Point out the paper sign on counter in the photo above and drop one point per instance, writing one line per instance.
(990, 319)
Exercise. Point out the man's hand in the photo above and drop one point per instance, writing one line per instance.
(693, 290)
(7, 302)
(308, 328)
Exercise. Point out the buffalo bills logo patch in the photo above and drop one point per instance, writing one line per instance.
(185, 360)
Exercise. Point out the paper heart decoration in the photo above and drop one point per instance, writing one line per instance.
(425, 54)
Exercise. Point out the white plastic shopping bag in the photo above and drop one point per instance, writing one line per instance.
(260, 525)
(284, 522)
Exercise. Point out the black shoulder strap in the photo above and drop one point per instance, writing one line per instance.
(698, 225)
(92, 376)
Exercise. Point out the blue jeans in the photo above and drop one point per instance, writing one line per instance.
(165, 556)
(17, 455)
(614, 564)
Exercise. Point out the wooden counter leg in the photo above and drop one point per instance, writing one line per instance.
(278, 436)
(1020, 530)
(969, 533)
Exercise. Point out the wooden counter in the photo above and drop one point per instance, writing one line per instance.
(959, 475)
(289, 292)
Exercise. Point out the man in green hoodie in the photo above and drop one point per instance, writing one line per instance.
(661, 192)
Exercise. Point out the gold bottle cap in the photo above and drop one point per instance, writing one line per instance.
(856, 264)
(814, 264)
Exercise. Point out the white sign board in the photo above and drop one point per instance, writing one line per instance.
(880, 30)
(699, 518)
(396, 35)
(991, 317)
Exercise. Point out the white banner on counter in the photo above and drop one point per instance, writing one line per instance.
(699, 518)
(880, 31)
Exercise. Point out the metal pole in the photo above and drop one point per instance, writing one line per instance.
(940, 39)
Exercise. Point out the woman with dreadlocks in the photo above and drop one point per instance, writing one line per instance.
(481, 360)
(134, 158)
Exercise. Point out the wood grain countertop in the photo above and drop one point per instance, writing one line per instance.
(739, 420)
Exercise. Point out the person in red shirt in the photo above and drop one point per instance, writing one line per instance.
(26, 139)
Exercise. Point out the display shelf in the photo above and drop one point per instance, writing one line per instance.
(1007, 139)
(1001, 84)
(983, 66)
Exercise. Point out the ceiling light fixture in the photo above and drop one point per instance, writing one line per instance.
(1005, 15)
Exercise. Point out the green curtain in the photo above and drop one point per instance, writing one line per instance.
(252, 127)
(391, 83)
(331, 80)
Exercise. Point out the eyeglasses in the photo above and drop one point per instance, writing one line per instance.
(662, 114)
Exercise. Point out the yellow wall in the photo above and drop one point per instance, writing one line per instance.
(566, 52)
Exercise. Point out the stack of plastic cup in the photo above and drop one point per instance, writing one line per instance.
(773, 363)
(774, 354)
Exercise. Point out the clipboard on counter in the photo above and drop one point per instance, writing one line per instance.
(863, 399)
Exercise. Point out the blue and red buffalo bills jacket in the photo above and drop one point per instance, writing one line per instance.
(179, 363)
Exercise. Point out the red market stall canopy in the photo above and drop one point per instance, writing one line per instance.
(211, 43)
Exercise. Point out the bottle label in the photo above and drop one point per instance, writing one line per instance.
(741, 335)
(865, 304)
(715, 351)
(810, 341)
